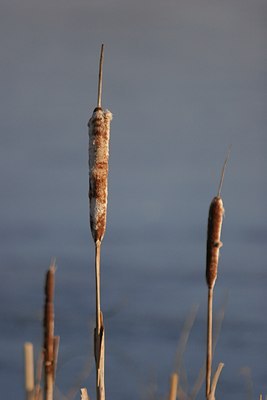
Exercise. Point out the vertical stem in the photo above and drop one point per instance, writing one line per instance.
(97, 284)
(99, 331)
(29, 370)
(209, 342)
(49, 383)
(100, 76)
(49, 333)
(84, 394)
(173, 386)
(56, 349)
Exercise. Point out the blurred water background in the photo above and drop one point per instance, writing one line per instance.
(184, 80)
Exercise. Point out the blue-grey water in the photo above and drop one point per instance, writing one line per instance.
(184, 80)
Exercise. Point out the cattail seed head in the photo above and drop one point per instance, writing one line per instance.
(216, 213)
(99, 131)
(49, 319)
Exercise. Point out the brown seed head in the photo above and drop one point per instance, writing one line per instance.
(49, 318)
(214, 243)
(99, 131)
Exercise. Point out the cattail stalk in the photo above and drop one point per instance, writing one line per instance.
(29, 370)
(49, 333)
(84, 394)
(216, 213)
(99, 131)
(173, 386)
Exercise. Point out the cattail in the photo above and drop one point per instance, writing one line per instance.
(99, 131)
(216, 213)
(49, 333)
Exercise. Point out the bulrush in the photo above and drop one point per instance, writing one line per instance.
(216, 213)
(49, 332)
(99, 131)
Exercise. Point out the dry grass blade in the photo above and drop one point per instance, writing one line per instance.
(49, 332)
(84, 394)
(173, 386)
(246, 373)
(56, 350)
(29, 370)
(189, 322)
(100, 360)
(181, 395)
(215, 381)
(181, 347)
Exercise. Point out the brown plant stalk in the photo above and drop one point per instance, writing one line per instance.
(29, 370)
(84, 394)
(49, 333)
(216, 213)
(173, 386)
(99, 131)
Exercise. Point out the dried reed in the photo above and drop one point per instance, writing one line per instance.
(173, 386)
(218, 371)
(49, 333)
(99, 130)
(29, 370)
(84, 394)
(56, 350)
(216, 213)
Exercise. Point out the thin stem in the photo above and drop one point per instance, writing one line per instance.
(215, 381)
(84, 394)
(173, 386)
(29, 370)
(49, 387)
(201, 376)
(209, 342)
(223, 171)
(100, 77)
(49, 318)
(99, 331)
(97, 284)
